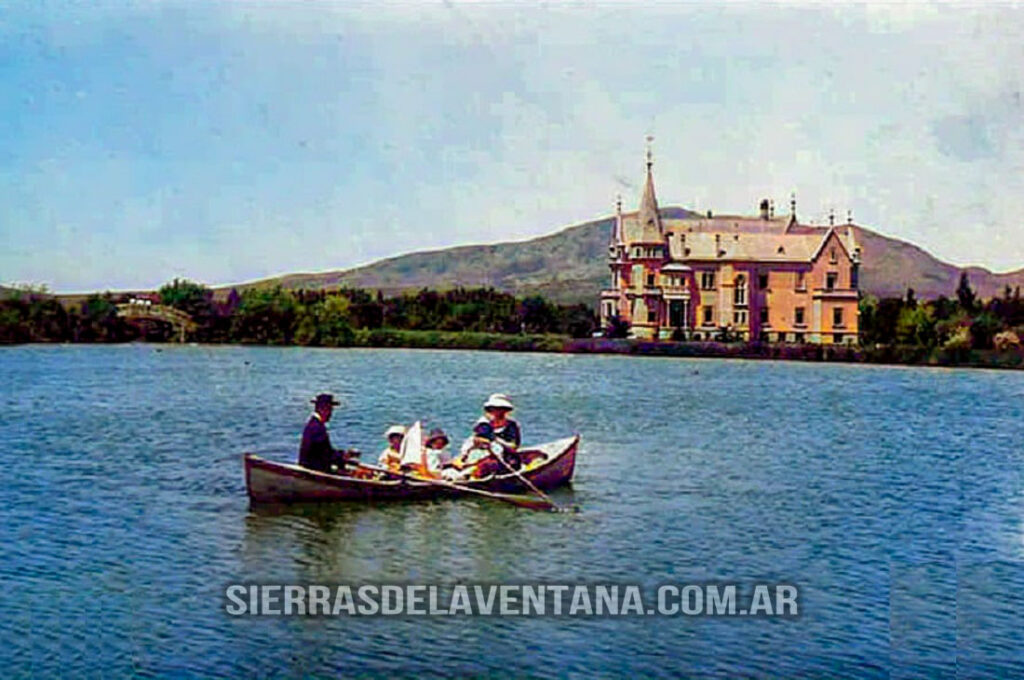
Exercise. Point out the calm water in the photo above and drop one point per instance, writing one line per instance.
(893, 497)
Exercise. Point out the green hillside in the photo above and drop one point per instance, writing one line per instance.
(569, 266)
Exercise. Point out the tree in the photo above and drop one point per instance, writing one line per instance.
(983, 330)
(617, 328)
(190, 297)
(266, 316)
(98, 321)
(536, 315)
(916, 326)
(335, 328)
(965, 294)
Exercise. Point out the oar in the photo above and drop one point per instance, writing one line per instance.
(556, 507)
(521, 501)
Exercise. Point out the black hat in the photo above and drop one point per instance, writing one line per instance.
(437, 433)
(325, 400)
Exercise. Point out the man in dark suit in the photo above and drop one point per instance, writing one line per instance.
(316, 452)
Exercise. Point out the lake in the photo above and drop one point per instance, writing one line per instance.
(892, 497)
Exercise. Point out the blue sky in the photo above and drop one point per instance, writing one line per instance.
(226, 142)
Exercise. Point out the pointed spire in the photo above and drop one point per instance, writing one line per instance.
(792, 210)
(617, 227)
(849, 217)
(832, 217)
(650, 219)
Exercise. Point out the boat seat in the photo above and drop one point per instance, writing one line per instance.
(532, 459)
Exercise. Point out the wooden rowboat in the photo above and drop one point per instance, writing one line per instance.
(546, 466)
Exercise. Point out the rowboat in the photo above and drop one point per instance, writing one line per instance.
(546, 466)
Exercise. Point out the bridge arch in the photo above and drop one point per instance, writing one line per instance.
(142, 309)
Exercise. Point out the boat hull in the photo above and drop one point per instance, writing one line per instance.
(273, 482)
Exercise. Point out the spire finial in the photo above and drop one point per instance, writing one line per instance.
(831, 217)
(618, 204)
(849, 216)
(650, 154)
(792, 204)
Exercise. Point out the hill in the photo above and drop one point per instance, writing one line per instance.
(569, 266)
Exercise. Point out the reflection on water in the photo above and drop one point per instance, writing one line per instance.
(891, 496)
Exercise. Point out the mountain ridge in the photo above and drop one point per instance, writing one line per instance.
(570, 266)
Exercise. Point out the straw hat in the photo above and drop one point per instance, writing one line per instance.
(498, 401)
(437, 433)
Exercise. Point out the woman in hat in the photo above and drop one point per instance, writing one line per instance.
(495, 426)
(391, 457)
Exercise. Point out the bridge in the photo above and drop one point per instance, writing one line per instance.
(143, 310)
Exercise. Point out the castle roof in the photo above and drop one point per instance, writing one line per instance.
(750, 240)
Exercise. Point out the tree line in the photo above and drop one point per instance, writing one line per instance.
(963, 322)
(279, 316)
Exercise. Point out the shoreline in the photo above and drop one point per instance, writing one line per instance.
(895, 355)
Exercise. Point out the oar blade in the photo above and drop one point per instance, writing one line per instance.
(528, 502)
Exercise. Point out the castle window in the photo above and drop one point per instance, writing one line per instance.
(799, 318)
(707, 280)
(830, 280)
(837, 317)
(832, 256)
(652, 315)
(635, 276)
(739, 317)
(739, 293)
(800, 283)
(762, 280)
(764, 315)
(707, 315)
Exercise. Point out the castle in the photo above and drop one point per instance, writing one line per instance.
(752, 278)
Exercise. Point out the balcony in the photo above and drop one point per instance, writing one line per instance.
(834, 293)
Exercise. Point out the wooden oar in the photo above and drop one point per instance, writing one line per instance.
(521, 501)
(555, 506)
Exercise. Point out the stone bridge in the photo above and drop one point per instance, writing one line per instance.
(140, 309)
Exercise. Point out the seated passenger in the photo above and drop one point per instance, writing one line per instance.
(436, 455)
(315, 451)
(391, 457)
(476, 458)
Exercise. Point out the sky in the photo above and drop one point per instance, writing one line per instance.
(230, 141)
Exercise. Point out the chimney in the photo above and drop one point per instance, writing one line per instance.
(764, 209)
(709, 214)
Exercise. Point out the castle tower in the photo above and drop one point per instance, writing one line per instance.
(648, 216)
